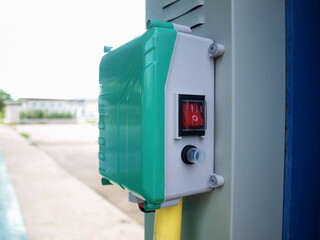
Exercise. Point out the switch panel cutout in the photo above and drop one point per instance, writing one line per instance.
(192, 115)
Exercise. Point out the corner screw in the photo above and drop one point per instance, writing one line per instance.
(216, 181)
(216, 50)
(213, 49)
(213, 182)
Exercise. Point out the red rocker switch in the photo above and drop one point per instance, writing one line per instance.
(192, 115)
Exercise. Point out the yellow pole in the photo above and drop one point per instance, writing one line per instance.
(167, 224)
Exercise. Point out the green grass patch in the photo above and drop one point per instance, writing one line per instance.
(91, 121)
(25, 135)
(43, 114)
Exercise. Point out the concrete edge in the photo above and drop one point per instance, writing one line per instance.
(11, 220)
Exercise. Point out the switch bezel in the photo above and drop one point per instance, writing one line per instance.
(195, 132)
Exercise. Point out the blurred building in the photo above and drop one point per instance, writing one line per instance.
(58, 110)
(12, 110)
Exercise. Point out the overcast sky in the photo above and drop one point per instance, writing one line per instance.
(52, 48)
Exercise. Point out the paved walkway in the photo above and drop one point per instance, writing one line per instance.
(74, 147)
(55, 205)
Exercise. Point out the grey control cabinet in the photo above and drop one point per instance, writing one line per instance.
(249, 117)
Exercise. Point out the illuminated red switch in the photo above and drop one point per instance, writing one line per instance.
(191, 116)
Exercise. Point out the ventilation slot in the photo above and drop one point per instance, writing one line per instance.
(196, 25)
(194, 8)
(168, 3)
(185, 12)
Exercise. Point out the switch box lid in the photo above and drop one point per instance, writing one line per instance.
(131, 112)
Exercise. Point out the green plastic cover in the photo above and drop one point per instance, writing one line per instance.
(131, 112)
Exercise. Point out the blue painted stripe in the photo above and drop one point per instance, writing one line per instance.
(11, 222)
(301, 217)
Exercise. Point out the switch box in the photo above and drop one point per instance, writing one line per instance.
(156, 115)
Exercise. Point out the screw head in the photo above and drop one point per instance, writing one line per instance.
(213, 181)
(213, 49)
